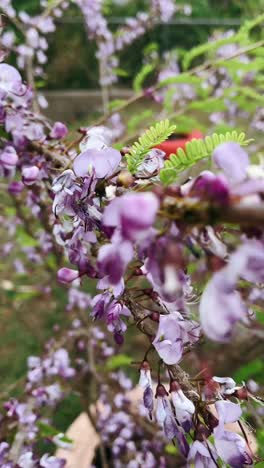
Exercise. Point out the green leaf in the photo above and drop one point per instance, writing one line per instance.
(196, 150)
(46, 430)
(115, 104)
(152, 137)
(120, 360)
(182, 78)
(250, 370)
(120, 72)
(134, 122)
(141, 76)
(170, 449)
(209, 105)
(25, 239)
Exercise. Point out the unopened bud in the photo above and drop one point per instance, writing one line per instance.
(161, 391)
(125, 179)
(67, 275)
(30, 175)
(241, 393)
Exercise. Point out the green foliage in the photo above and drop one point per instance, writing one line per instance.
(195, 150)
(170, 449)
(48, 431)
(115, 104)
(24, 239)
(119, 360)
(152, 137)
(182, 78)
(136, 119)
(260, 440)
(241, 37)
(252, 370)
(141, 76)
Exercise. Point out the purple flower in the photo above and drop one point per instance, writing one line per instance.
(148, 400)
(99, 304)
(8, 157)
(220, 308)
(247, 262)
(67, 275)
(61, 364)
(114, 322)
(49, 461)
(227, 385)
(184, 408)
(65, 188)
(145, 375)
(168, 341)
(126, 213)
(10, 79)
(98, 138)
(26, 460)
(210, 186)
(24, 414)
(15, 188)
(165, 418)
(59, 130)
(232, 449)
(113, 260)
(227, 412)
(102, 162)
(4, 448)
(153, 162)
(233, 160)
(221, 305)
(172, 334)
(30, 175)
(201, 456)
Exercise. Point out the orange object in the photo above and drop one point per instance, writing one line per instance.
(174, 142)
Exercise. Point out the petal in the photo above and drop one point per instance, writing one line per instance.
(233, 160)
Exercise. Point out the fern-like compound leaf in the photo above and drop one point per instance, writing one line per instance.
(196, 150)
(152, 137)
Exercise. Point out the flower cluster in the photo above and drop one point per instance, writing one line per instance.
(177, 263)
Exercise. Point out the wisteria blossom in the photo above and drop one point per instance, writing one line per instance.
(152, 256)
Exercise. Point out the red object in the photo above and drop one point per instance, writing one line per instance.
(170, 146)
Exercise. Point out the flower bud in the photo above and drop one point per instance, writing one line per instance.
(67, 275)
(59, 130)
(15, 188)
(30, 175)
(161, 391)
(125, 179)
(184, 407)
(145, 376)
(8, 157)
(241, 393)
